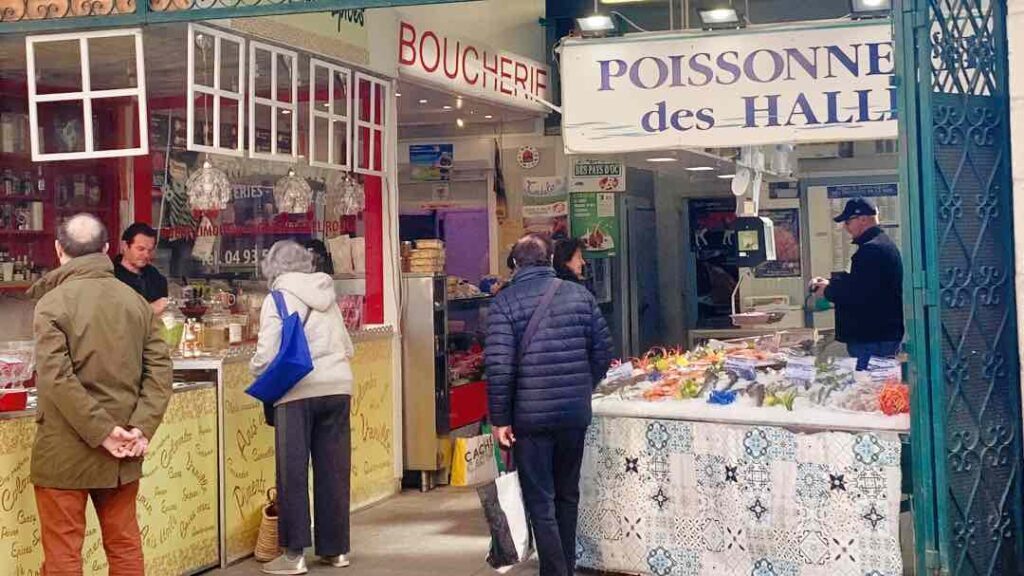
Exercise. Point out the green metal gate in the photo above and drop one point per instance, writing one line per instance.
(954, 128)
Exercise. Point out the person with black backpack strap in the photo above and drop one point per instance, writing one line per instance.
(548, 346)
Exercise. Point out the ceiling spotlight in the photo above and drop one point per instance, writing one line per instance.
(700, 168)
(460, 122)
(398, 94)
(663, 159)
(719, 16)
(489, 116)
(423, 100)
(861, 9)
(286, 112)
(458, 103)
(595, 26)
(446, 107)
(726, 176)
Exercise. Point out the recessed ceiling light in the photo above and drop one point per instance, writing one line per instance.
(446, 107)
(398, 94)
(458, 103)
(460, 122)
(700, 168)
(489, 116)
(726, 176)
(423, 100)
(663, 159)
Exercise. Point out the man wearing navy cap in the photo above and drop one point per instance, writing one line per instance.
(868, 298)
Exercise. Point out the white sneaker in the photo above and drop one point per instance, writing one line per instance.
(286, 565)
(339, 561)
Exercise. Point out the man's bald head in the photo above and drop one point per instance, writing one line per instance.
(532, 250)
(81, 235)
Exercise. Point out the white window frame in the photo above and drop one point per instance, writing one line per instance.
(377, 123)
(272, 102)
(330, 115)
(216, 91)
(87, 95)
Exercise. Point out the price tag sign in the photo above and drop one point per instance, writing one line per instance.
(744, 368)
(883, 370)
(620, 372)
(801, 369)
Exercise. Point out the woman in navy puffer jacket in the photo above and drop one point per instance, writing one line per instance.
(545, 398)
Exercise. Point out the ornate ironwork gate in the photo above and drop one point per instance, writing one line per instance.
(956, 171)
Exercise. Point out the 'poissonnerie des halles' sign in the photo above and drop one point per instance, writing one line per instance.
(788, 85)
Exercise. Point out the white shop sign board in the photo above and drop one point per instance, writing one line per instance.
(798, 84)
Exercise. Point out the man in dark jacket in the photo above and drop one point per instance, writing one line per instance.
(543, 391)
(868, 299)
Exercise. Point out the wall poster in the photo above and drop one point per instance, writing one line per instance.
(787, 245)
(593, 219)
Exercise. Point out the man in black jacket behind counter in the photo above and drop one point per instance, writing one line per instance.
(869, 298)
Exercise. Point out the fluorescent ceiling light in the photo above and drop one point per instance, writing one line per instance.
(460, 122)
(423, 100)
(663, 159)
(398, 94)
(595, 24)
(446, 107)
(489, 116)
(870, 8)
(718, 16)
(700, 168)
(458, 103)
(726, 176)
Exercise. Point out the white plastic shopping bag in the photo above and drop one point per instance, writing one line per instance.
(511, 537)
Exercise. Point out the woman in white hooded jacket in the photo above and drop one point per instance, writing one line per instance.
(312, 419)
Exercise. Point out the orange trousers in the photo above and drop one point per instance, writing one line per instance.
(62, 519)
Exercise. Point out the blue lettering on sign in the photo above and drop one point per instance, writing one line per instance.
(863, 190)
(761, 66)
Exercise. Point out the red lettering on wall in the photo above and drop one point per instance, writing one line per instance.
(492, 67)
(522, 74)
(465, 66)
(423, 52)
(506, 74)
(541, 82)
(407, 45)
(452, 74)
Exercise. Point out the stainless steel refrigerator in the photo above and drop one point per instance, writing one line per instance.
(425, 386)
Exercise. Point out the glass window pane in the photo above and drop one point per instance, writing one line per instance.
(322, 134)
(320, 88)
(263, 73)
(262, 124)
(230, 56)
(340, 135)
(362, 147)
(112, 63)
(378, 149)
(284, 78)
(378, 103)
(203, 126)
(229, 123)
(60, 127)
(203, 59)
(365, 90)
(58, 67)
(110, 130)
(340, 96)
(284, 131)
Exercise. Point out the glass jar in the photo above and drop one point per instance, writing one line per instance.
(216, 327)
(172, 325)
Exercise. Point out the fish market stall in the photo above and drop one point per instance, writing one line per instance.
(756, 456)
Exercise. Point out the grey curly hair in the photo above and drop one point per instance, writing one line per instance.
(286, 256)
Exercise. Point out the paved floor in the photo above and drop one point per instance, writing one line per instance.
(441, 532)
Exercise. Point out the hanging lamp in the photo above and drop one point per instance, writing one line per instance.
(292, 194)
(208, 189)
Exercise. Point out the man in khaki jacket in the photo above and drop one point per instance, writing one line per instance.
(104, 380)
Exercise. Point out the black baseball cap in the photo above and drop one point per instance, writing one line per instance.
(857, 207)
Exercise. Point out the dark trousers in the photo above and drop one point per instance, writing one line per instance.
(317, 428)
(863, 351)
(549, 472)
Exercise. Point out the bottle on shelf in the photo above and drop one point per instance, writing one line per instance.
(63, 191)
(79, 189)
(6, 267)
(95, 192)
(10, 183)
(40, 181)
(28, 184)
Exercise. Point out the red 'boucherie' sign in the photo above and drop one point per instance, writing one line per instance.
(469, 68)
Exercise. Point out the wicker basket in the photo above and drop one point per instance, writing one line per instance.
(267, 547)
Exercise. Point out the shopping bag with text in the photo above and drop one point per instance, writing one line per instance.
(473, 461)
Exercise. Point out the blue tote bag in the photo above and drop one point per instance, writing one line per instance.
(292, 363)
